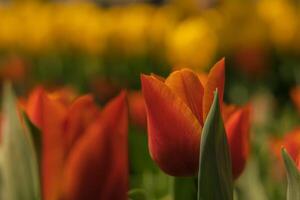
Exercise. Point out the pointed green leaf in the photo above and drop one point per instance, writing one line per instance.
(19, 168)
(185, 188)
(293, 177)
(215, 174)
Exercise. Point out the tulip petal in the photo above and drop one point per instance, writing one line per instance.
(228, 110)
(203, 78)
(173, 130)
(52, 148)
(81, 113)
(238, 128)
(64, 95)
(49, 115)
(34, 105)
(216, 79)
(158, 77)
(97, 167)
(187, 86)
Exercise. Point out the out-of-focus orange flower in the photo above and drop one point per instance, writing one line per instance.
(103, 89)
(137, 109)
(251, 60)
(295, 95)
(13, 69)
(84, 150)
(65, 95)
(176, 111)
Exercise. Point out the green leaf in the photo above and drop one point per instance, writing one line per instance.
(215, 174)
(19, 167)
(293, 177)
(185, 188)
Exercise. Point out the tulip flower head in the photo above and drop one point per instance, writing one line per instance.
(177, 108)
(84, 150)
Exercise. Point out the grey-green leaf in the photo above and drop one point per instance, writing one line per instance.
(293, 177)
(19, 166)
(215, 173)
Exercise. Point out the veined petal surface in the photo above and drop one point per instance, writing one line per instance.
(97, 168)
(216, 80)
(173, 130)
(238, 134)
(187, 86)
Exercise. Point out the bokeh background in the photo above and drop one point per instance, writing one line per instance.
(103, 46)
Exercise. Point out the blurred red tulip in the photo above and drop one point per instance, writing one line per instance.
(13, 69)
(103, 89)
(291, 141)
(65, 95)
(252, 61)
(84, 151)
(237, 127)
(137, 109)
(176, 111)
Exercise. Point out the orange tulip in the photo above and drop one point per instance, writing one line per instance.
(176, 110)
(84, 151)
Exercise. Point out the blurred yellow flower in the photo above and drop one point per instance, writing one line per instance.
(192, 44)
(81, 26)
(281, 19)
(130, 26)
(168, 32)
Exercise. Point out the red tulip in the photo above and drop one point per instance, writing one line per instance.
(176, 110)
(252, 60)
(237, 127)
(14, 68)
(84, 151)
(291, 142)
(137, 109)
